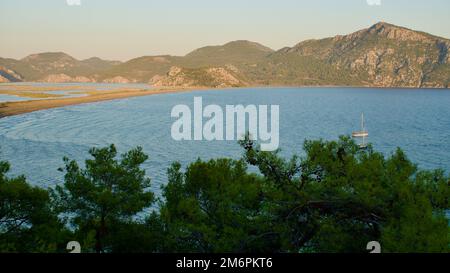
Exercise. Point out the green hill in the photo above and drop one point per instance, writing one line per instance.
(37, 67)
(141, 69)
(235, 53)
(238, 53)
(383, 55)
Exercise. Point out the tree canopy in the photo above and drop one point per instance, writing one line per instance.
(336, 198)
(109, 192)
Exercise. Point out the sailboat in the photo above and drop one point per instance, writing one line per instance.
(361, 134)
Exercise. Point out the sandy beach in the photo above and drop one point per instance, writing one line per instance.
(22, 107)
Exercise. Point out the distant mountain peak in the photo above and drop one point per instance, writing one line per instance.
(235, 45)
(384, 24)
(48, 56)
(382, 55)
(381, 27)
(91, 59)
(247, 43)
(98, 61)
(399, 33)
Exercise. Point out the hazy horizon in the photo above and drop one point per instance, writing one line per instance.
(122, 30)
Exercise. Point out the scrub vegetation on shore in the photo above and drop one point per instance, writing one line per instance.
(335, 199)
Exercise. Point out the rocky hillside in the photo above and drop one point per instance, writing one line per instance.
(214, 77)
(240, 54)
(383, 55)
(8, 75)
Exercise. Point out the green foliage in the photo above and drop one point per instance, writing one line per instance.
(339, 198)
(137, 236)
(336, 198)
(108, 192)
(213, 207)
(27, 220)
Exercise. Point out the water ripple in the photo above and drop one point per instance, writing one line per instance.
(416, 120)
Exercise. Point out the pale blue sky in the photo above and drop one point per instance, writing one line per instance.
(124, 29)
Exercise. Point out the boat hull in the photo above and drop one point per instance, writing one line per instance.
(360, 134)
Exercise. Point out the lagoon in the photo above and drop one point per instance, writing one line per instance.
(418, 121)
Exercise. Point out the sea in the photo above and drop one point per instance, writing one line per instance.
(417, 120)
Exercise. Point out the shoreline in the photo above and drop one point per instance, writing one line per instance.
(23, 107)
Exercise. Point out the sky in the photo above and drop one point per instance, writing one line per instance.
(125, 29)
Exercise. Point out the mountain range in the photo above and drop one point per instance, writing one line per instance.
(383, 55)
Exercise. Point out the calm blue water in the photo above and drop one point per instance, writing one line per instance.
(416, 120)
(5, 98)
